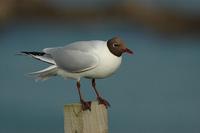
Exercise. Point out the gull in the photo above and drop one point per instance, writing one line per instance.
(94, 59)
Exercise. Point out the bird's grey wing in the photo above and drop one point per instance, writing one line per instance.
(74, 60)
(84, 45)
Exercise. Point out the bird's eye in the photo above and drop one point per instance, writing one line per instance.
(115, 45)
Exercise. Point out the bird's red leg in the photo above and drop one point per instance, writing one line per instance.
(85, 105)
(99, 98)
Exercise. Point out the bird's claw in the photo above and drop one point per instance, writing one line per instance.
(103, 101)
(86, 105)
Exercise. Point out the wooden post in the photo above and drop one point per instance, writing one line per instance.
(78, 121)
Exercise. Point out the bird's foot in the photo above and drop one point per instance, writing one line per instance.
(86, 105)
(103, 101)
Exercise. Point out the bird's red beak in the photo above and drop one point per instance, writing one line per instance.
(128, 51)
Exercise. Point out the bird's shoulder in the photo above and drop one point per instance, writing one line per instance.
(85, 45)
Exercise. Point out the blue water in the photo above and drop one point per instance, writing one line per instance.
(157, 90)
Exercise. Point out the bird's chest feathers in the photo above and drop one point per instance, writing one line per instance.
(108, 64)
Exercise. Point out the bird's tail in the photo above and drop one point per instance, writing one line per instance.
(45, 73)
(39, 56)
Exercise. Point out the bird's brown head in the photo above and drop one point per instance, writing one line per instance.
(117, 46)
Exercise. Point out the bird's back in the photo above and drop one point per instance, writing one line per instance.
(85, 46)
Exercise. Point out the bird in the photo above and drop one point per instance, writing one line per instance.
(93, 59)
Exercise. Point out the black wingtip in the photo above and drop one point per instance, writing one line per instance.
(31, 53)
(24, 52)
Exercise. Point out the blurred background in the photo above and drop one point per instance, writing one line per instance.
(157, 90)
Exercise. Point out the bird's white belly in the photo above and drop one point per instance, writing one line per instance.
(105, 69)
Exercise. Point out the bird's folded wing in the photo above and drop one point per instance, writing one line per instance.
(74, 61)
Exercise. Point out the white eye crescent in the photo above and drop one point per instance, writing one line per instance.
(115, 45)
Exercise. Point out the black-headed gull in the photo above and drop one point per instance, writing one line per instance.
(89, 59)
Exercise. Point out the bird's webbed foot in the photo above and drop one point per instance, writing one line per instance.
(86, 105)
(103, 101)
